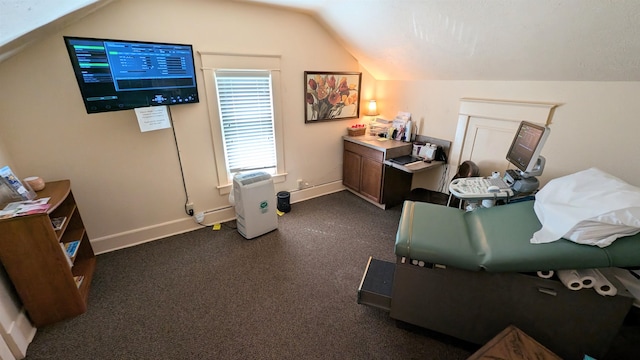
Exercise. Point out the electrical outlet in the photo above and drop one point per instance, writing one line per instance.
(189, 208)
(300, 184)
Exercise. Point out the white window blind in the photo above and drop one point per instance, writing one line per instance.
(245, 103)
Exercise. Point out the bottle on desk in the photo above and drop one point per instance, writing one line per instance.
(407, 131)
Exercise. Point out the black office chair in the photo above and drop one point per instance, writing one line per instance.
(467, 169)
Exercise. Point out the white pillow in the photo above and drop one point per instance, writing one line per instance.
(588, 207)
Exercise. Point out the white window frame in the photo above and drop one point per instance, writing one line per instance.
(218, 61)
(245, 100)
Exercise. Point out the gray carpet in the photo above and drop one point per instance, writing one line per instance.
(289, 294)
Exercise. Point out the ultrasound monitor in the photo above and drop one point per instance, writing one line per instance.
(525, 149)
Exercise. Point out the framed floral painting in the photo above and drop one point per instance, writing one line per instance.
(331, 95)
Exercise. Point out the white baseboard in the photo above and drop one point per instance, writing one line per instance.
(142, 235)
(20, 335)
(316, 191)
(5, 352)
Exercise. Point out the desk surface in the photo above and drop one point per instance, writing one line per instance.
(393, 148)
(383, 145)
(415, 167)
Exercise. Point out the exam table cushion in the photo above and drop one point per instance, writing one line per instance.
(431, 232)
(497, 239)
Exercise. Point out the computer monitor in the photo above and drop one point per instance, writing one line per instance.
(526, 146)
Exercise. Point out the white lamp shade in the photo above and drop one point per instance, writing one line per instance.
(372, 109)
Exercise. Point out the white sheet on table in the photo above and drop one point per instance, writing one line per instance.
(588, 207)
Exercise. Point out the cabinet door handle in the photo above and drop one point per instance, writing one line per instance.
(547, 291)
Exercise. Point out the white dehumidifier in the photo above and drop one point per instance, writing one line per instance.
(255, 203)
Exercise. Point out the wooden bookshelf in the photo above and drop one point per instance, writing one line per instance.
(36, 264)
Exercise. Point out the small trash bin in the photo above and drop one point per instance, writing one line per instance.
(284, 198)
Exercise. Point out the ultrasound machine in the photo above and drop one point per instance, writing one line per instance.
(524, 154)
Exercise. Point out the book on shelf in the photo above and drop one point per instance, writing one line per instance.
(26, 207)
(64, 251)
(58, 222)
(78, 279)
(71, 248)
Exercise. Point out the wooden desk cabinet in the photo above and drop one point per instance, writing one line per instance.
(365, 174)
(38, 266)
(363, 170)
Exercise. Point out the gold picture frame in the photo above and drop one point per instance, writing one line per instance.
(331, 95)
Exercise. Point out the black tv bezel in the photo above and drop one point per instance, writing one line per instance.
(135, 98)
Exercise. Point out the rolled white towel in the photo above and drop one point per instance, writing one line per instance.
(548, 274)
(570, 279)
(603, 286)
(587, 277)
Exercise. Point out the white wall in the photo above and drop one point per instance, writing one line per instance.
(595, 125)
(128, 184)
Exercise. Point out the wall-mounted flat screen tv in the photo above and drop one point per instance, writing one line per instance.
(120, 75)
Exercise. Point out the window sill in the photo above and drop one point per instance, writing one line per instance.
(226, 189)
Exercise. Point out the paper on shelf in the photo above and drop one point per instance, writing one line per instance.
(26, 207)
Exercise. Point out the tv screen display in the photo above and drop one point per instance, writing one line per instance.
(527, 145)
(120, 75)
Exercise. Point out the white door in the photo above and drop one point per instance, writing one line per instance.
(487, 127)
(487, 143)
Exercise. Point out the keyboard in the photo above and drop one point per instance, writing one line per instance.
(497, 182)
(477, 188)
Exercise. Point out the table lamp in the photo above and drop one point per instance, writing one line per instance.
(372, 108)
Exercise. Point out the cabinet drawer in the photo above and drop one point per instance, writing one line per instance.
(364, 151)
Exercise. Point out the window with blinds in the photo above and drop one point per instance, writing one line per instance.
(245, 103)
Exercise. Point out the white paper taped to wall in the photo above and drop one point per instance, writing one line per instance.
(153, 118)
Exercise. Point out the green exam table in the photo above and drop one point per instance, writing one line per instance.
(479, 276)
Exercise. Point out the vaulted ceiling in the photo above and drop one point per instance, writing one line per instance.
(25, 21)
(552, 40)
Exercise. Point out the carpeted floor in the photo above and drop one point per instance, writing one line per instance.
(289, 294)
